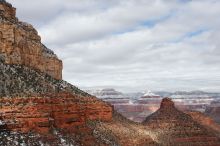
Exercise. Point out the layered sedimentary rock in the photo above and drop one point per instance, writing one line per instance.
(166, 127)
(51, 120)
(40, 118)
(63, 110)
(36, 106)
(20, 44)
(137, 106)
(174, 127)
(205, 120)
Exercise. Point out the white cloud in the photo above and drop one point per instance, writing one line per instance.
(134, 44)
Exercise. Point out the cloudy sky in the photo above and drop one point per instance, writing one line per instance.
(131, 44)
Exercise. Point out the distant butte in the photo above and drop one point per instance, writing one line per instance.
(178, 128)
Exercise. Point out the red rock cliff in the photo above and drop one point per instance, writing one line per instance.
(57, 119)
(20, 44)
(63, 111)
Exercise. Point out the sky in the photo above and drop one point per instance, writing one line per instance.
(131, 45)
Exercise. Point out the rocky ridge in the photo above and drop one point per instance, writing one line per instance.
(177, 128)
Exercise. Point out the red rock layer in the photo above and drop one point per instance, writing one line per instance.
(63, 111)
(20, 44)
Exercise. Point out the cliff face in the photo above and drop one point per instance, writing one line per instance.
(61, 111)
(36, 106)
(51, 119)
(20, 44)
(40, 110)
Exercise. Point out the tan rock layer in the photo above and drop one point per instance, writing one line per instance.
(7, 10)
(21, 44)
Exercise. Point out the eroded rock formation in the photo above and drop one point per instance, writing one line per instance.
(20, 44)
(174, 127)
(51, 119)
(64, 111)
(38, 108)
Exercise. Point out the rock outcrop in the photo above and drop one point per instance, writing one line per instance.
(46, 115)
(36, 106)
(20, 44)
(39, 114)
(174, 127)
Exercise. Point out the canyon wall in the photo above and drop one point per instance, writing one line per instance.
(20, 44)
(62, 111)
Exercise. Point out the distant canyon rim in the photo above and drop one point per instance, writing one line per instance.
(39, 108)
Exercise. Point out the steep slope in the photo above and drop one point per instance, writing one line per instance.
(175, 128)
(17, 80)
(205, 120)
(123, 132)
